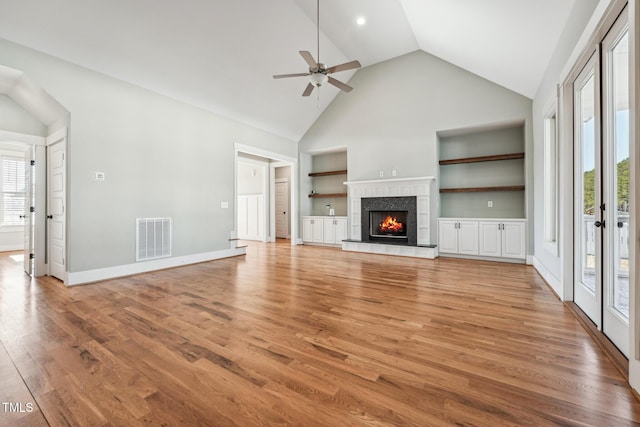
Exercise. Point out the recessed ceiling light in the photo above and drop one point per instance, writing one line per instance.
(361, 21)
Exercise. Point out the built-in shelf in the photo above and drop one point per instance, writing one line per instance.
(328, 173)
(483, 189)
(318, 195)
(483, 159)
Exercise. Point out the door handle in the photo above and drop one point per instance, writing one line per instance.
(599, 224)
(23, 216)
(49, 216)
(620, 224)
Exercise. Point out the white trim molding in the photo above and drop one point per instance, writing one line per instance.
(7, 136)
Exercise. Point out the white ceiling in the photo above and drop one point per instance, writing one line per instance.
(221, 54)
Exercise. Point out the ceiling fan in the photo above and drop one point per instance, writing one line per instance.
(318, 73)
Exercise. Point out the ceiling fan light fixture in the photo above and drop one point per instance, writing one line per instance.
(318, 73)
(318, 79)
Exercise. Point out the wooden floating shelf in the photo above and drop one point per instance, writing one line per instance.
(318, 195)
(328, 173)
(482, 189)
(483, 159)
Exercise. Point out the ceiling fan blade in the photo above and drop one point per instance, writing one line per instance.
(308, 90)
(344, 67)
(284, 76)
(340, 85)
(309, 59)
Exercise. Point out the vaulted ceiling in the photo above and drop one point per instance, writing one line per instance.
(221, 54)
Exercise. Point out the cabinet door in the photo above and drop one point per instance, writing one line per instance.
(447, 236)
(329, 230)
(341, 230)
(490, 238)
(307, 230)
(468, 237)
(317, 226)
(513, 241)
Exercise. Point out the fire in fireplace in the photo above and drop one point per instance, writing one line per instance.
(391, 225)
(388, 224)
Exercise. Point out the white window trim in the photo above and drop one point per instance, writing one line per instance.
(14, 154)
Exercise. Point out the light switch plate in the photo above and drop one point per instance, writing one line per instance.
(98, 176)
(224, 205)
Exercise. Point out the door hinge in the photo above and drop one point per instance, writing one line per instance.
(33, 162)
(32, 256)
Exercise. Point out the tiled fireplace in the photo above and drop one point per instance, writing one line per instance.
(391, 216)
(389, 219)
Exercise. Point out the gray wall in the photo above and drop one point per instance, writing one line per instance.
(161, 158)
(251, 178)
(580, 15)
(14, 118)
(390, 119)
(506, 204)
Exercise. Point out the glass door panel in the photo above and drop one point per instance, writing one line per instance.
(615, 95)
(620, 192)
(587, 178)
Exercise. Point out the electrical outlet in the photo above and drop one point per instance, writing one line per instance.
(490, 203)
(224, 205)
(381, 174)
(393, 172)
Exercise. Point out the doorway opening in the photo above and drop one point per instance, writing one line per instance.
(265, 194)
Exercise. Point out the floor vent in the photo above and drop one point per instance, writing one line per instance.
(153, 238)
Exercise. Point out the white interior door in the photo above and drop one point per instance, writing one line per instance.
(282, 210)
(29, 210)
(615, 95)
(56, 214)
(588, 215)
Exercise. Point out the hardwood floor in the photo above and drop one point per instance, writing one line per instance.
(305, 336)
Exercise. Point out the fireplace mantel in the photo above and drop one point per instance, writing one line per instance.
(396, 187)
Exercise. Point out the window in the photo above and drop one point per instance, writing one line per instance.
(551, 182)
(13, 190)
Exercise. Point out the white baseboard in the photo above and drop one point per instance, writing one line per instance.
(548, 276)
(90, 276)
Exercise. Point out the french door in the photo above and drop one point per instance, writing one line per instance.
(601, 167)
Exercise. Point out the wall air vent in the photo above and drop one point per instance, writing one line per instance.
(153, 238)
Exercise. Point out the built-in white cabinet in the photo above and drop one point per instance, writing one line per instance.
(495, 238)
(458, 236)
(502, 238)
(335, 230)
(330, 230)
